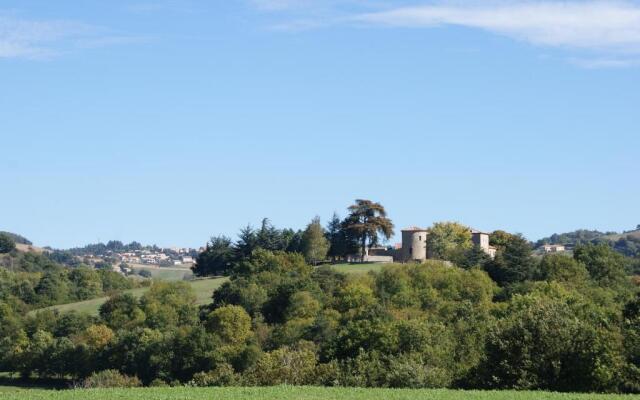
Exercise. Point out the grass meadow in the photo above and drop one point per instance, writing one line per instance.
(358, 268)
(175, 273)
(295, 393)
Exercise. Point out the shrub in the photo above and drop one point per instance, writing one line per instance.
(145, 273)
(413, 371)
(284, 366)
(222, 375)
(158, 383)
(110, 378)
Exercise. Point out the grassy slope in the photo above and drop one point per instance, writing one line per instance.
(203, 288)
(165, 273)
(358, 268)
(297, 393)
(635, 234)
(25, 248)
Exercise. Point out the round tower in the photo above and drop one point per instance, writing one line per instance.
(414, 244)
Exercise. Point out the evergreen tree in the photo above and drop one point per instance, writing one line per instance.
(335, 237)
(473, 257)
(513, 263)
(216, 259)
(268, 237)
(367, 221)
(247, 242)
(7, 244)
(294, 241)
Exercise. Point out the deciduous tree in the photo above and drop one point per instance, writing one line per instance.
(314, 244)
(448, 240)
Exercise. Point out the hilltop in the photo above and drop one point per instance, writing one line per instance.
(17, 238)
(634, 234)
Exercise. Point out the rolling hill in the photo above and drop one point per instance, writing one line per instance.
(203, 289)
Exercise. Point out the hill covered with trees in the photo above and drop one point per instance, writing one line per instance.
(18, 239)
(626, 243)
(31, 280)
(462, 320)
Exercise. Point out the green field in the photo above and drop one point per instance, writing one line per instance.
(203, 289)
(296, 393)
(358, 268)
(165, 273)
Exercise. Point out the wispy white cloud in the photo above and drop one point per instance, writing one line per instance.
(608, 31)
(33, 39)
(611, 26)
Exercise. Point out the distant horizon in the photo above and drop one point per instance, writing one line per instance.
(234, 236)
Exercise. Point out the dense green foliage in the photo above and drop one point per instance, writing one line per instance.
(32, 280)
(580, 236)
(7, 244)
(17, 238)
(448, 240)
(364, 226)
(626, 243)
(565, 324)
(221, 254)
(465, 320)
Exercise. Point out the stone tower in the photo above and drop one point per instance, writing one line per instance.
(414, 244)
(481, 239)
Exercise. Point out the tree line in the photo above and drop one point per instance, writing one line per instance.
(562, 323)
(460, 320)
(365, 226)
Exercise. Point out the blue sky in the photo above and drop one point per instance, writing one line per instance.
(167, 122)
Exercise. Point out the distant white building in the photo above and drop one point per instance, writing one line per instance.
(553, 248)
(187, 260)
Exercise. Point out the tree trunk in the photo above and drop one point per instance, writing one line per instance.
(362, 251)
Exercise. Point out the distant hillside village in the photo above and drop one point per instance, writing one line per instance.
(121, 257)
(172, 256)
